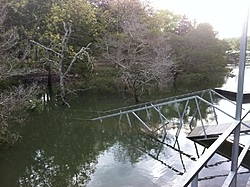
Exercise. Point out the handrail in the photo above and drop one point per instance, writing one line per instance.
(193, 174)
(143, 108)
(168, 101)
(196, 168)
(160, 100)
(156, 103)
(187, 178)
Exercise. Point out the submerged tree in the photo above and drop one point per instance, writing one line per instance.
(14, 104)
(136, 47)
(60, 58)
(15, 100)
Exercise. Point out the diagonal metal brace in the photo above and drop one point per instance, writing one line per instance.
(141, 121)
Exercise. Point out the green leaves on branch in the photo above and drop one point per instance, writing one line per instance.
(199, 51)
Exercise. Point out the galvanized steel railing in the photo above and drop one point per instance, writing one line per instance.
(191, 176)
(158, 104)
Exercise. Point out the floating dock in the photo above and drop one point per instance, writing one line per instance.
(213, 132)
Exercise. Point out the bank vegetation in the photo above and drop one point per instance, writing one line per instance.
(123, 46)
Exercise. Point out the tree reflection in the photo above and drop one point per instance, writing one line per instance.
(133, 147)
(68, 150)
(41, 173)
(60, 149)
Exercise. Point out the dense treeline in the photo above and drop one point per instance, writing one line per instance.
(123, 45)
(145, 46)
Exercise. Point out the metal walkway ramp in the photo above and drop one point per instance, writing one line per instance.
(180, 104)
(211, 136)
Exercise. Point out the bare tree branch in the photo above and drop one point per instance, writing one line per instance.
(61, 54)
(142, 55)
(82, 50)
(47, 48)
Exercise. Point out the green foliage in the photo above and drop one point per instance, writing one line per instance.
(7, 137)
(105, 79)
(9, 83)
(132, 31)
(199, 53)
(234, 43)
(166, 21)
(184, 26)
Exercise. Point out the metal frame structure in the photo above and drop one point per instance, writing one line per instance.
(197, 97)
(157, 105)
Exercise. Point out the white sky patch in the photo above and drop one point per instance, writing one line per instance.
(226, 16)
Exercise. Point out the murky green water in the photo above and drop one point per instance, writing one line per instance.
(61, 147)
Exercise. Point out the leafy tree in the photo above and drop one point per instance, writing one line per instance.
(184, 26)
(166, 21)
(8, 40)
(199, 53)
(59, 59)
(234, 51)
(234, 43)
(29, 25)
(42, 21)
(16, 100)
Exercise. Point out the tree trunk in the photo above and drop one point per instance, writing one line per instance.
(62, 87)
(136, 96)
(50, 87)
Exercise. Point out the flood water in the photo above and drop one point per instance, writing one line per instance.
(62, 147)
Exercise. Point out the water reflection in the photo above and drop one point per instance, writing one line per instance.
(58, 149)
(146, 159)
(61, 148)
(42, 173)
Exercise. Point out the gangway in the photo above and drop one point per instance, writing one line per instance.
(204, 134)
(181, 104)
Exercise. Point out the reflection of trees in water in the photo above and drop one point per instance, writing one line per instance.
(134, 146)
(45, 172)
(158, 145)
(42, 173)
(66, 153)
(187, 112)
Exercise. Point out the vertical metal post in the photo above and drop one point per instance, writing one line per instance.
(120, 118)
(198, 108)
(195, 181)
(162, 121)
(181, 122)
(129, 122)
(148, 115)
(212, 101)
(239, 99)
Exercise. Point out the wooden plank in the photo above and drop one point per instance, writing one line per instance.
(214, 130)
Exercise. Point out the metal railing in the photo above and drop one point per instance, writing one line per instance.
(192, 176)
(198, 98)
(157, 105)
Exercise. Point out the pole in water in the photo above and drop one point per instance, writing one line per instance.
(239, 98)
